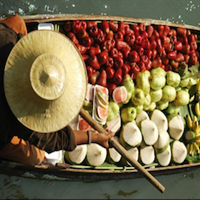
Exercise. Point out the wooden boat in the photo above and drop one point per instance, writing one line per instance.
(72, 172)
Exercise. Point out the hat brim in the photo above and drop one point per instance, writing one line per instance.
(34, 112)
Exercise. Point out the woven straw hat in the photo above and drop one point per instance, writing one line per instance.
(45, 81)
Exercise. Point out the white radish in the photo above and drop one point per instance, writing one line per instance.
(164, 158)
(176, 127)
(179, 151)
(77, 156)
(162, 142)
(159, 118)
(96, 154)
(130, 135)
(147, 155)
(149, 131)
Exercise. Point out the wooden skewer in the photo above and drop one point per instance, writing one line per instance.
(122, 151)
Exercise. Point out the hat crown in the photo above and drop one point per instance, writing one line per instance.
(48, 76)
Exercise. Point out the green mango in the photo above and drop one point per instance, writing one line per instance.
(113, 109)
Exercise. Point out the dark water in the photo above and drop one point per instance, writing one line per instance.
(179, 186)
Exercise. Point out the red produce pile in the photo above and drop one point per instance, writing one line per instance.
(112, 50)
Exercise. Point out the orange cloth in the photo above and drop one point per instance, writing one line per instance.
(22, 151)
(17, 24)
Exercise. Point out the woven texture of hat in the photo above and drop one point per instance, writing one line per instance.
(45, 81)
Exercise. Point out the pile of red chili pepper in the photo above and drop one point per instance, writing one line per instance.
(111, 50)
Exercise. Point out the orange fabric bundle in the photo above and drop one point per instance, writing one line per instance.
(17, 24)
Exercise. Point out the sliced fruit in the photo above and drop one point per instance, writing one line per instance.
(83, 125)
(119, 94)
(102, 112)
(101, 103)
(149, 131)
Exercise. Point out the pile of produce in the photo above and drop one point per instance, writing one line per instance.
(151, 74)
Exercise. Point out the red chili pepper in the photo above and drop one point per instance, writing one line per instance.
(82, 49)
(166, 30)
(113, 53)
(83, 24)
(106, 45)
(109, 35)
(153, 44)
(111, 87)
(93, 62)
(172, 55)
(181, 31)
(165, 60)
(160, 29)
(91, 24)
(94, 50)
(121, 27)
(142, 26)
(110, 72)
(82, 34)
(105, 26)
(148, 53)
(93, 31)
(120, 55)
(134, 70)
(159, 45)
(149, 30)
(184, 40)
(110, 62)
(85, 57)
(102, 78)
(186, 58)
(89, 70)
(128, 30)
(145, 44)
(148, 65)
(180, 57)
(87, 41)
(125, 69)
(113, 26)
(100, 37)
(157, 62)
(163, 53)
(174, 64)
(178, 45)
(138, 39)
(144, 34)
(118, 62)
(133, 57)
(185, 49)
(102, 57)
(120, 44)
(72, 37)
(155, 35)
(164, 39)
(139, 49)
(193, 45)
(193, 58)
(144, 59)
(76, 26)
(117, 78)
(68, 26)
(142, 66)
(118, 36)
(130, 39)
(154, 53)
(167, 47)
(125, 51)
